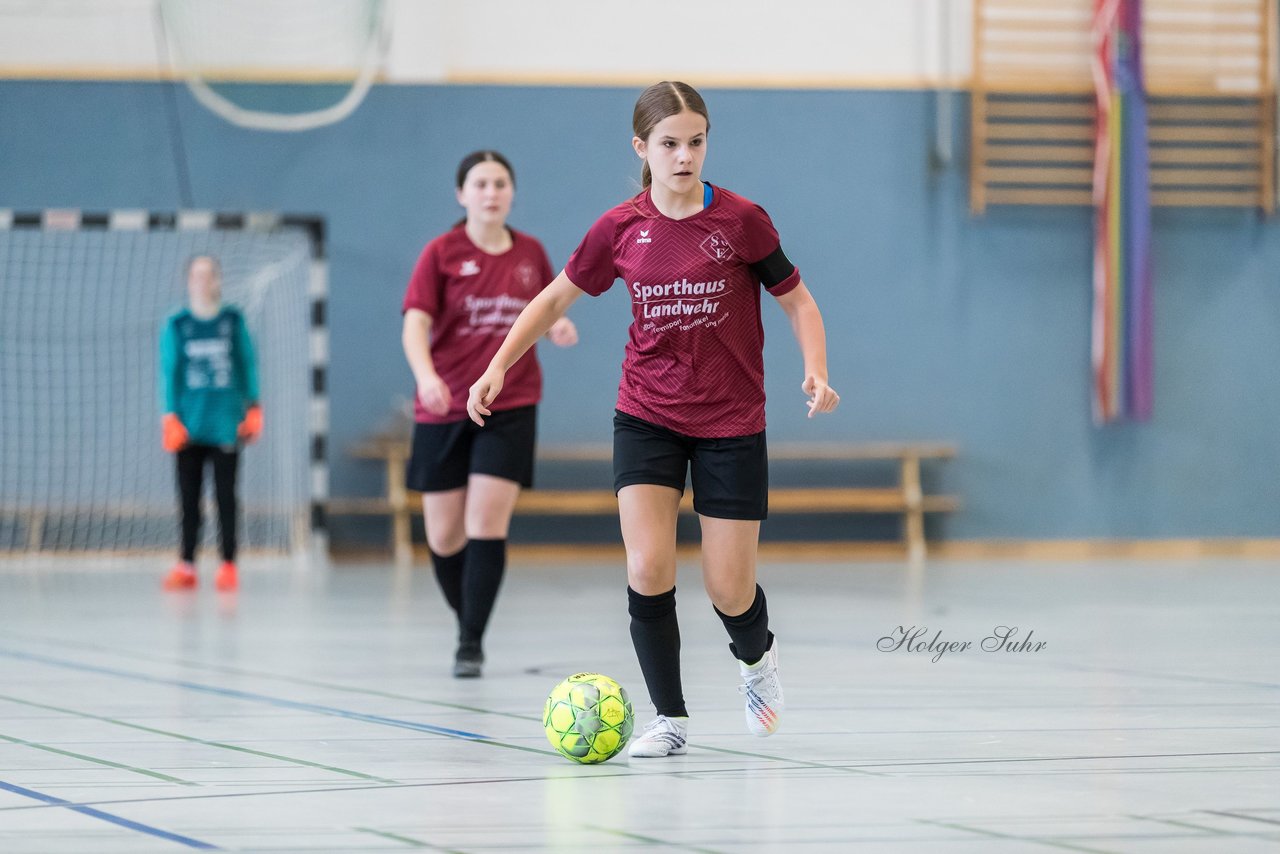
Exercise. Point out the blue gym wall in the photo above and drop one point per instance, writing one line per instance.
(941, 325)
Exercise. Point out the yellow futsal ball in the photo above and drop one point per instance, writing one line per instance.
(588, 718)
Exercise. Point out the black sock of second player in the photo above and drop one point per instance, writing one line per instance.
(449, 575)
(486, 562)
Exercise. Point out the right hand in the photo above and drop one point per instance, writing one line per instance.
(483, 393)
(822, 397)
(434, 395)
(173, 433)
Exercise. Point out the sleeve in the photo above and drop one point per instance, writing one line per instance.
(426, 284)
(591, 266)
(246, 361)
(170, 375)
(764, 253)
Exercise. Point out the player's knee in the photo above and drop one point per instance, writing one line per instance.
(730, 596)
(446, 542)
(488, 523)
(650, 573)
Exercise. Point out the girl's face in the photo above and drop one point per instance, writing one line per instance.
(675, 149)
(204, 285)
(486, 193)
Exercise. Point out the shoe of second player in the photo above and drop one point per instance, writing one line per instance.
(468, 661)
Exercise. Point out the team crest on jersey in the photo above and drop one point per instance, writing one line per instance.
(527, 276)
(469, 268)
(717, 247)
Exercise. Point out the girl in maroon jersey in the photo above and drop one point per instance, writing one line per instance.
(468, 287)
(691, 402)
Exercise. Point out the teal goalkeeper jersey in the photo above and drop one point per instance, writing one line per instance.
(208, 374)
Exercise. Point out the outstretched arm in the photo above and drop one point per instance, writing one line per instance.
(806, 323)
(534, 322)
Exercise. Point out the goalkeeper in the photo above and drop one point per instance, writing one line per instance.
(209, 395)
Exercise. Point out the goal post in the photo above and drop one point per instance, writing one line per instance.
(83, 297)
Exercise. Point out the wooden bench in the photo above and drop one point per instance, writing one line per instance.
(905, 498)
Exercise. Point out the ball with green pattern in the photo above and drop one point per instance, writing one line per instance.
(588, 718)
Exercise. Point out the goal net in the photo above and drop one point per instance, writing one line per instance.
(82, 302)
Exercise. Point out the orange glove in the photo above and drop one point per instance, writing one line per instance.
(251, 427)
(173, 434)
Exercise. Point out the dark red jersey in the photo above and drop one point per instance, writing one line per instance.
(694, 360)
(473, 299)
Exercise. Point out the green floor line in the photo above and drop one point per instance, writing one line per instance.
(407, 840)
(1052, 843)
(194, 740)
(803, 763)
(315, 683)
(652, 840)
(96, 760)
(1187, 824)
(276, 677)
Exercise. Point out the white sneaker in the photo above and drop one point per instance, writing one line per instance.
(663, 736)
(763, 692)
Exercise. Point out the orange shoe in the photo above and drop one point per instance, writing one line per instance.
(181, 577)
(227, 580)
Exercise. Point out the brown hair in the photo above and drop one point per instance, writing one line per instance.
(475, 158)
(660, 101)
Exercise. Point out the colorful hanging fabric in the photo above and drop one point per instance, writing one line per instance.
(1122, 287)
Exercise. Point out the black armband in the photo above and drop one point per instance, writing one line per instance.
(774, 269)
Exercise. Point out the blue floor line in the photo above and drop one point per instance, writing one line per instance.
(106, 816)
(248, 695)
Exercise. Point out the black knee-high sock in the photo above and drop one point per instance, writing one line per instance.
(486, 561)
(655, 633)
(449, 574)
(749, 631)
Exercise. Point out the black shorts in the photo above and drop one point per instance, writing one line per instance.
(730, 475)
(445, 455)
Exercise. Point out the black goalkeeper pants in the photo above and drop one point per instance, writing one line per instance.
(191, 463)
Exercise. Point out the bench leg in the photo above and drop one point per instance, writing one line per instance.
(913, 522)
(35, 530)
(401, 524)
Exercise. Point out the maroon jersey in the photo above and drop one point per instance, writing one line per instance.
(694, 362)
(473, 299)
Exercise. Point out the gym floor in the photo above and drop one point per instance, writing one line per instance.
(1136, 708)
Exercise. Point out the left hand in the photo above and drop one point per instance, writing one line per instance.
(822, 397)
(251, 427)
(563, 333)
